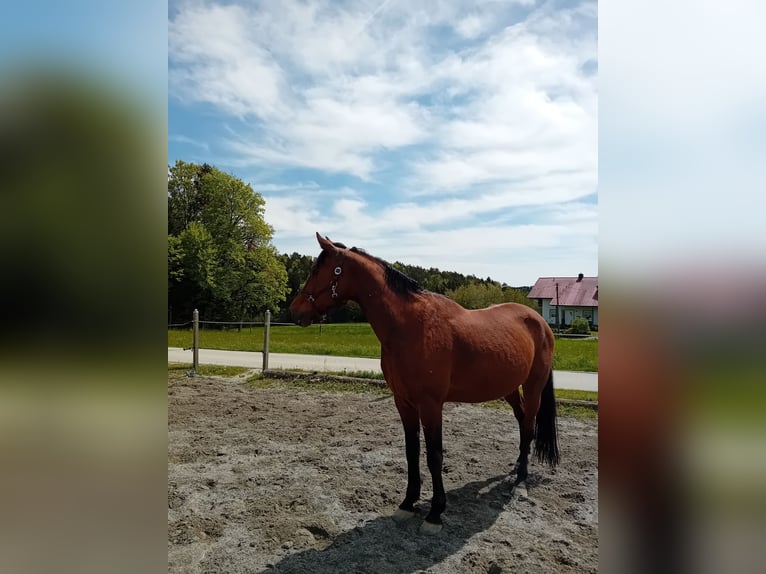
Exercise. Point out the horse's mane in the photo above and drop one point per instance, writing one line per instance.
(397, 281)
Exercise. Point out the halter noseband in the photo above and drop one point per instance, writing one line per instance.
(332, 286)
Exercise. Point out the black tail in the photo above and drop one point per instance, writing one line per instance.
(546, 443)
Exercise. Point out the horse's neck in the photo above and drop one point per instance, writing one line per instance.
(385, 320)
(381, 306)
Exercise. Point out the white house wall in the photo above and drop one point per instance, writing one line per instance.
(589, 312)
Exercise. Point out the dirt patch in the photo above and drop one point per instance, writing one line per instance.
(276, 480)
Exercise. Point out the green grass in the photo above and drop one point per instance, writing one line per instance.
(352, 340)
(207, 370)
(563, 409)
(575, 395)
(575, 355)
(341, 340)
(576, 411)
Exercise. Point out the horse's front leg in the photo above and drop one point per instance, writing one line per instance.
(411, 423)
(431, 417)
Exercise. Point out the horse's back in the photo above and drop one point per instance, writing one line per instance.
(505, 320)
(454, 354)
(497, 349)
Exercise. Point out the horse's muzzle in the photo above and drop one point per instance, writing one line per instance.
(301, 319)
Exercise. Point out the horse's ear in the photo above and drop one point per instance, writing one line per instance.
(325, 243)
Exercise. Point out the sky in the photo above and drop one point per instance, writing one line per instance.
(460, 135)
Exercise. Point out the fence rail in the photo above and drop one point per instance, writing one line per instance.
(195, 323)
(238, 323)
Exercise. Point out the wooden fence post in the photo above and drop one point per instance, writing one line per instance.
(266, 333)
(195, 344)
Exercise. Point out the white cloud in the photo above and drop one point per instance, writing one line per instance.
(505, 253)
(529, 110)
(217, 61)
(189, 141)
(469, 112)
(346, 212)
(290, 216)
(283, 187)
(471, 26)
(330, 88)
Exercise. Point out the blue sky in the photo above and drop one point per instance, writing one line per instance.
(458, 135)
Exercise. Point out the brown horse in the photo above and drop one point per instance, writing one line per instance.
(434, 351)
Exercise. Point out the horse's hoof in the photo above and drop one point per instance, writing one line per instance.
(401, 515)
(430, 529)
(521, 489)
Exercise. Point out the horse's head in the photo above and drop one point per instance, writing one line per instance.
(320, 293)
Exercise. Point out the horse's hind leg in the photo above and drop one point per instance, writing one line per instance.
(517, 404)
(527, 426)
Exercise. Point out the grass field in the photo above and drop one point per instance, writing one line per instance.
(351, 340)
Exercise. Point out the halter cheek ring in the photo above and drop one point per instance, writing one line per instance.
(333, 286)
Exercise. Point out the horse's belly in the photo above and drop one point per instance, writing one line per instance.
(480, 390)
(472, 385)
(474, 396)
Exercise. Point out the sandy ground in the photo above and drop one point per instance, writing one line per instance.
(276, 480)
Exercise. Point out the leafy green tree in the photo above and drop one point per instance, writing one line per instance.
(298, 269)
(514, 295)
(175, 260)
(478, 295)
(186, 200)
(220, 259)
(434, 281)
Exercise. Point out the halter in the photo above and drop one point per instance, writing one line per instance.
(333, 286)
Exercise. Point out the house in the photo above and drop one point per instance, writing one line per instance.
(561, 299)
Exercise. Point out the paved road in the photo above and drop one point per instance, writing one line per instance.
(254, 360)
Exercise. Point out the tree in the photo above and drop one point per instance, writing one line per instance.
(298, 269)
(519, 295)
(220, 259)
(478, 295)
(186, 200)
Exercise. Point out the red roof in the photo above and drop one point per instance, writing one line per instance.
(573, 291)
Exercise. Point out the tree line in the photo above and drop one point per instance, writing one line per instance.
(221, 260)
